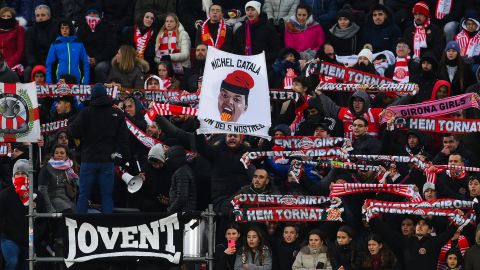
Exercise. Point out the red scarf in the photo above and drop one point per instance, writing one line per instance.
(299, 114)
(248, 36)
(469, 46)
(207, 38)
(167, 43)
(141, 41)
(420, 37)
(462, 245)
(400, 73)
(165, 84)
(444, 7)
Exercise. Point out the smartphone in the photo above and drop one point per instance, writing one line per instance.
(231, 243)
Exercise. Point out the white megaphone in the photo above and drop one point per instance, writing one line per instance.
(134, 183)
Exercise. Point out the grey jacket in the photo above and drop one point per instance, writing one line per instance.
(51, 184)
(308, 259)
(280, 9)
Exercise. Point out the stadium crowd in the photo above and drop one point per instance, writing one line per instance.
(162, 44)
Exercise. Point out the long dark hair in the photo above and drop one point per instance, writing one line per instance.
(387, 257)
(262, 248)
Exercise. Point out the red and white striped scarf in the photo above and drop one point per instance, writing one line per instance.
(288, 80)
(420, 37)
(299, 114)
(165, 84)
(168, 109)
(167, 43)
(444, 7)
(469, 46)
(401, 73)
(141, 41)
(207, 38)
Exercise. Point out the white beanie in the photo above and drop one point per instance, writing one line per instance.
(157, 152)
(366, 53)
(256, 5)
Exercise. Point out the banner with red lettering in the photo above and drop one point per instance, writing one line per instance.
(437, 125)
(408, 191)
(19, 116)
(437, 204)
(433, 107)
(310, 142)
(345, 74)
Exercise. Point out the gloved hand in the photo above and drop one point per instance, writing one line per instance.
(117, 159)
(166, 58)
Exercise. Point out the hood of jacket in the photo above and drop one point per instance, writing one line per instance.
(473, 15)
(62, 39)
(366, 100)
(437, 85)
(102, 101)
(38, 68)
(176, 157)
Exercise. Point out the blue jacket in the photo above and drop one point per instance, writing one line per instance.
(68, 53)
(323, 11)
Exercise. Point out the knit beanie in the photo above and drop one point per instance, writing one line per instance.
(453, 45)
(422, 8)
(346, 12)
(98, 91)
(366, 53)
(427, 186)
(20, 166)
(256, 5)
(158, 152)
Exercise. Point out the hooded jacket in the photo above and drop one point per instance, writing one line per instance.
(183, 189)
(68, 53)
(308, 258)
(97, 141)
(346, 115)
(437, 85)
(382, 37)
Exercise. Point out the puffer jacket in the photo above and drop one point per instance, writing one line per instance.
(261, 259)
(280, 9)
(68, 52)
(183, 189)
(183, 43)
(312, 38)
(51, 184)
(308, 258)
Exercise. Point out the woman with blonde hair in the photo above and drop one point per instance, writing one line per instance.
(128, 69)
(172, 44)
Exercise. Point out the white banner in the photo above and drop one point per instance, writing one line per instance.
(19, 115)
(235, 95)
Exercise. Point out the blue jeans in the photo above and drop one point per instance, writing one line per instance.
(14, 255)
(90, 174)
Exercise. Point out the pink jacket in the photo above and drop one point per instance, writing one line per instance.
(312, 38)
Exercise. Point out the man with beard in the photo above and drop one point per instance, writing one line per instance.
(453, 183)
(363, 143)
(233, 96)
(260, 184)
(380, 30)
(192, 75)
(422, 35)
(214, 31)
(364, 62)
(426, 78)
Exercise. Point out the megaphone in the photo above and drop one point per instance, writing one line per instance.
(134, 183)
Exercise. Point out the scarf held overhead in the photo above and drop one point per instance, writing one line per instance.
(400, 88)
(291, 214)
(345, 74)
(285, 200)
(398, 189)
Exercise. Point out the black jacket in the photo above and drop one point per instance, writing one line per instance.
(382, 37)
(435, 39)
(227, 44)
(38, 39)
(183, 189)
(13, 217)
(98, 142)
(417, 254)
(367, 145)
(264, 38)
(101, 44)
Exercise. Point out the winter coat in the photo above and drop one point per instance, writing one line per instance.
(98, 142)
(228, 173)
(347, 256)
(382, 37)
(312, 38)
(183, 189)
(324, 11)
(448, 187)
(345, 46)
(190, 78)
(227, 46)
(8, 76)
(280, 9)
(118, 12)
(12, 45)
(309, 259)
(468, 78)
(284, 254)
(133, 79)
(264, 37)
(387, 259)
(183, 44)
(224, 261)
(367, 145)
(254, 262)
(51, 183)
(101, 44)
(435, 39)
(68, 52)
(156, 185)
(39, 37)
(472, 258)
(417, 253)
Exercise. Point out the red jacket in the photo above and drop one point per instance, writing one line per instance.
(12, 45)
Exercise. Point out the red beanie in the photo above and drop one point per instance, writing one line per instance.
(422, 8)
(239, 82)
